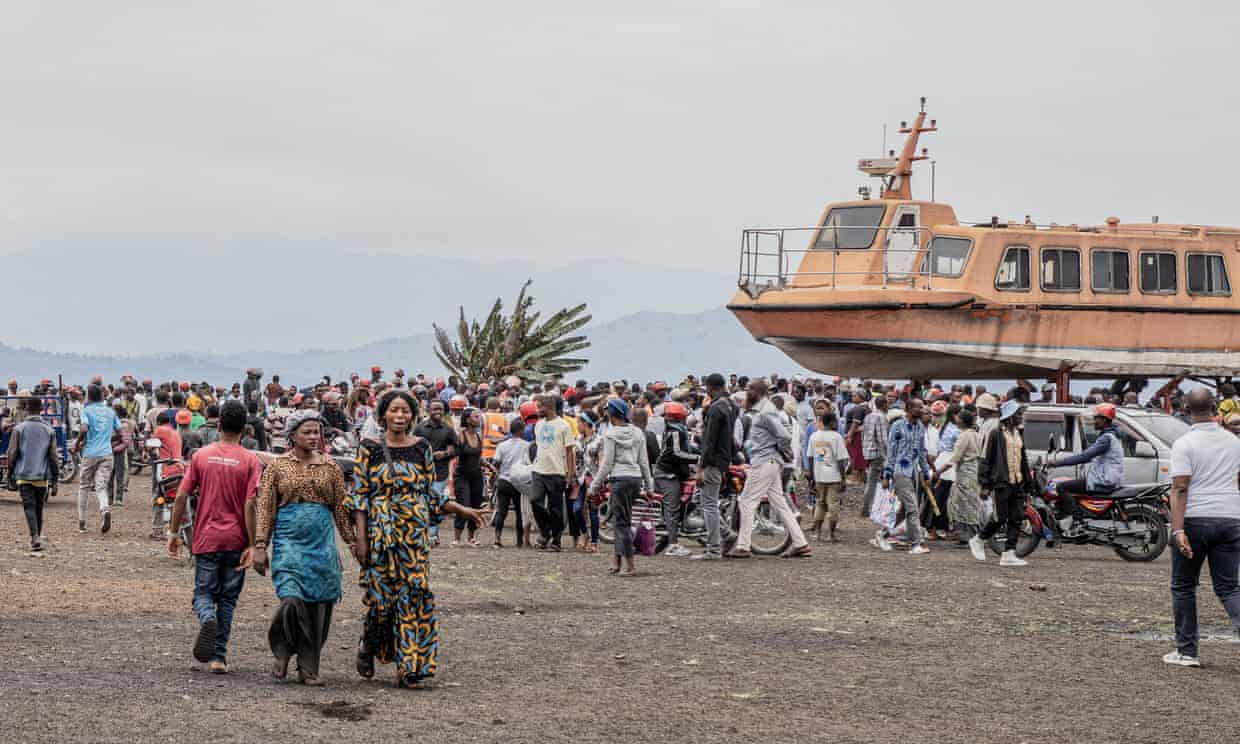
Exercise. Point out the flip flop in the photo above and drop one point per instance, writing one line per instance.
(279, 667)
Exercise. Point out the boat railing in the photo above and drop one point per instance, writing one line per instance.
(767, 262)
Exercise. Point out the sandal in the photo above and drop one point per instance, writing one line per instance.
(309, 681)
(592, 548)
(279, 667)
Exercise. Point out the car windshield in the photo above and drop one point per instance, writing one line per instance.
(1166, 428)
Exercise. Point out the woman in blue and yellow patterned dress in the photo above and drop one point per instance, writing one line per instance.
(393, 510)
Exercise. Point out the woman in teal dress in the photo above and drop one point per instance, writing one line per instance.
(301, 503)
(393, 510)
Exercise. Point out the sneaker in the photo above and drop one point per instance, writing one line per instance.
(977, 547)
(1009, 559)
(918, 550)
(107, 523)
(204, 644)
(1176, 658)
(456, 543)
(881, 542)
(81, 525)
(676, 551)
(706, 557)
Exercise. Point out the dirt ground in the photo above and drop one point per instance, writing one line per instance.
(850, 646)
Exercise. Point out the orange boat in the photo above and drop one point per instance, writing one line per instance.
(895, 287)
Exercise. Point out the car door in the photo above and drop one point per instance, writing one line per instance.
(1140, 455)
(1040, 426)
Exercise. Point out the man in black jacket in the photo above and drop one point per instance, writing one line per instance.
(672, 467)
(718, 449)
(1004, 472)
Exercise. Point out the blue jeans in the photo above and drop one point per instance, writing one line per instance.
(1218, 541)
(217, 584)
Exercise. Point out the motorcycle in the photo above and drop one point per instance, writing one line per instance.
(1130, 520)
(768, 538)
(166, 477)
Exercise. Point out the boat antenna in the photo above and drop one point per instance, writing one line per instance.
(901, 180)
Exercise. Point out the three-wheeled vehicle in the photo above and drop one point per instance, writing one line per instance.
(55, 412)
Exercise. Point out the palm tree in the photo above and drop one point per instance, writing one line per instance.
(516, 344)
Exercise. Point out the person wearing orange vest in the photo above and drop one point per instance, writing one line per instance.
(494, 428)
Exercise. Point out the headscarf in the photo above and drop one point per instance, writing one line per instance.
(618, 408)
(297, 418)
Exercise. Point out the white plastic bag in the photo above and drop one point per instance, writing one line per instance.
(885, 508)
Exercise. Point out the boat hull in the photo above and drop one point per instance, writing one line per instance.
(995, 342)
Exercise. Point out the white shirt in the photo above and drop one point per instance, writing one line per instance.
(1210, 456)
(828, 449)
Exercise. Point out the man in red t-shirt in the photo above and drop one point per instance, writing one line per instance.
(225, 475)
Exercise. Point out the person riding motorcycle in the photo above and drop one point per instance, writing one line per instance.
(1105, 458)
(333, 414)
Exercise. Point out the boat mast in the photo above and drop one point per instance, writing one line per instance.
(901, 184)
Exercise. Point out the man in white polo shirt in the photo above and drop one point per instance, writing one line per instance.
(1205, 522)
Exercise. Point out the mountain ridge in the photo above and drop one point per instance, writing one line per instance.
(645, 345)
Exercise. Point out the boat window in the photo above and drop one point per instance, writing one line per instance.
(1061, 270)
(1109, 270)
(850, 228)
(1158, 273)
(948, 255)
(1207, 274)
(1013, 272)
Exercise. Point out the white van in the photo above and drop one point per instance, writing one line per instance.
(1147, 436)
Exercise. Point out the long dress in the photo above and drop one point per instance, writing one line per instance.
(297, 505)
(965, 505)
(401, 624)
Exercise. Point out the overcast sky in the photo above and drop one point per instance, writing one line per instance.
(648, 130)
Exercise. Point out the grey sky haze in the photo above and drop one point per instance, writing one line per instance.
(552, 131)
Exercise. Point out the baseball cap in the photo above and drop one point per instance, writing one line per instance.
(987, 402)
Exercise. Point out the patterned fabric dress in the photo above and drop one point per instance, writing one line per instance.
(400, 507)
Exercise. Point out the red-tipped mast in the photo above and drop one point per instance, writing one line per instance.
(900, 183)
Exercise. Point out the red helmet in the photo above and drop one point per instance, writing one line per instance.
(147, 383)
(1105, 410)
(376, 369)
(331, 397)
(675, 412)
(185, 387)
(660, 387)
(96, 380)
(457, 402)
(353, 377)
(529, 410)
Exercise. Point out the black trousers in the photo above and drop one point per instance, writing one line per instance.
(300, 629)
(507, 497)
(1009, 512)
(468, 488)
(547, 502)
(33, 498)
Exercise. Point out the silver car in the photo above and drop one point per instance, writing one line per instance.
(1147, 436)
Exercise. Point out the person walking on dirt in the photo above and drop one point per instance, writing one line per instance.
(226, 476)
(1205, 523)
(1002, 473)
(874, 450)
(906, 461)
(99, 425)
(718, 451)
(555, 465)
(33, 468)
(769, 440)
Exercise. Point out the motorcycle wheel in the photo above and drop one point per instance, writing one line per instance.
(69, 465)
(1155, 532)
(606, 533)
(1025, 544)
(769, 536)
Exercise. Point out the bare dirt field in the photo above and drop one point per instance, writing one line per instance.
(850, 646)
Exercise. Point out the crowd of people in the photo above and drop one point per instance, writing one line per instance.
(261, 465)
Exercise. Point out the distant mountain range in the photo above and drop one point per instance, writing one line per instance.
(642, 346)
(228, 296)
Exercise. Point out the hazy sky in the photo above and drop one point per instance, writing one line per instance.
(649, 130)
